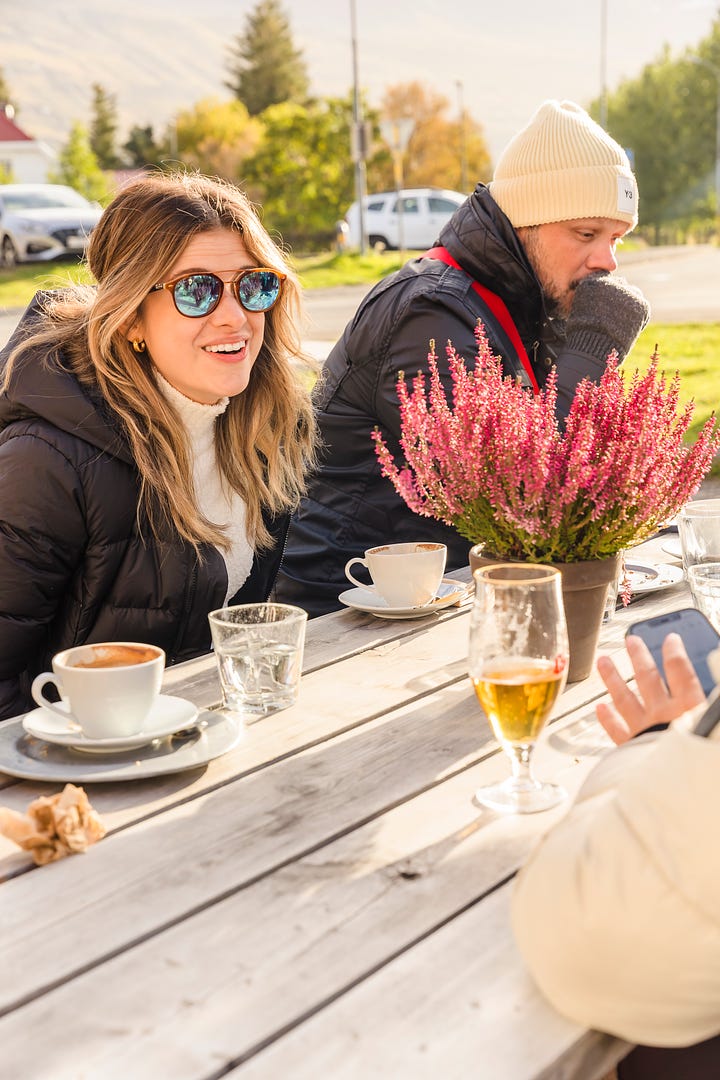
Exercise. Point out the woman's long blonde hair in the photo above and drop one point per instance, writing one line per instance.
(266, 438)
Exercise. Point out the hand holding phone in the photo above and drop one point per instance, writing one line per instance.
(698, 636)
(657, 697)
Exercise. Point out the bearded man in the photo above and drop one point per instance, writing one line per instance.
(532, 257)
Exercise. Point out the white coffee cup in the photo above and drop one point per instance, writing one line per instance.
(108, 689)
(405, 575)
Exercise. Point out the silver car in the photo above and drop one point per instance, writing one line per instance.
(43, 221)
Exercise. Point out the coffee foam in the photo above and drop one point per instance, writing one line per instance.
(108, 656)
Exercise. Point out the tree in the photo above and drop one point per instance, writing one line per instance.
(666, 117)
(434, 154)
(215, 137)
(302, 172)
(79, 167)
(103, 127)
(265, 68)
(6, 97)
(141, 148)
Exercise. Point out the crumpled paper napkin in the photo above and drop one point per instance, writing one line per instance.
(54, 825)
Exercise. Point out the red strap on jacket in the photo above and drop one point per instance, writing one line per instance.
(497, 306)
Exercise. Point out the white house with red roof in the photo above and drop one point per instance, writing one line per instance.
(27, 160)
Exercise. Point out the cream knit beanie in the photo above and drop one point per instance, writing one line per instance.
(564, 166)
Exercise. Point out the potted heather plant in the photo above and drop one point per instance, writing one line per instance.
(495, 463)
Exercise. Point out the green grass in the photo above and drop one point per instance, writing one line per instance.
(693, 350)
(19, 285)
(327, 270)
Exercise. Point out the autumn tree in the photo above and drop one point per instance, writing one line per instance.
(79, 167)
(302, 172)
(264, 66)
(103, 127)
(437, 145)
(216, 137)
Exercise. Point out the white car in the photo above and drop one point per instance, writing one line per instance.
(43, 221)
(411, 218)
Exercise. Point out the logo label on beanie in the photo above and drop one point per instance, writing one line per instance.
(626, 195)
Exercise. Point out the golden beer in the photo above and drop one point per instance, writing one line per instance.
(518, 696)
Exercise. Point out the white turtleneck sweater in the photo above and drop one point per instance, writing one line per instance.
(216, 502)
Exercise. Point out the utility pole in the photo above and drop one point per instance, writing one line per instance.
(603, 64)
(463, 138)
(359, 137)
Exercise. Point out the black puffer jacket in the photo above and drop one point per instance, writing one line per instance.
(74, 567)
(350, 506)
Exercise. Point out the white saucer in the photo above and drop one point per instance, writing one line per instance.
(368, 600)
(672, 547)
(169, 714)
(648, 577)
(215, 733)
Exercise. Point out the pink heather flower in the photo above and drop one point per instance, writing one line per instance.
(491, 459)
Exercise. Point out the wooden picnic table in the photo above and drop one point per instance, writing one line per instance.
(324, 900)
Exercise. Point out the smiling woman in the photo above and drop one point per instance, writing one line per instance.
(162, 421)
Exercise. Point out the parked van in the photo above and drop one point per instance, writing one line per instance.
(410, 219)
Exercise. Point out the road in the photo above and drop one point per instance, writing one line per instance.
(681, 283)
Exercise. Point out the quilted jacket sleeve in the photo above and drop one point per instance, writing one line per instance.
(42, 538)
(617, 913)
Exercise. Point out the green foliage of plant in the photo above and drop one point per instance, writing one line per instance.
(264, 66)
(79, 167)
(142, 149)
(103, 128)
(667, 117)
(301, 173)
(216, 137)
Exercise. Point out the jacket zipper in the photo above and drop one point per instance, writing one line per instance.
(187, 608)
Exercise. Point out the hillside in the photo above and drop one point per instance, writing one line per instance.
(162, 58)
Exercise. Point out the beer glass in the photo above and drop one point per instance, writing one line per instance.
(518, 664)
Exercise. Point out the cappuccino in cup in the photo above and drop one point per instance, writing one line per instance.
(107, 689)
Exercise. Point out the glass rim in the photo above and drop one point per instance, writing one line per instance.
(701, 508)
(287, 611)
(527, 574)
(696, 569)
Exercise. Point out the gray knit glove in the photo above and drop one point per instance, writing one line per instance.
(607, 313)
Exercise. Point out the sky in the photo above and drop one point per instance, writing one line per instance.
(500, 60)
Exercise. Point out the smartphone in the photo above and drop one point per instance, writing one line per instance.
(697, 632)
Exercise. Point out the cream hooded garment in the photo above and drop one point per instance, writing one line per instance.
(617, 912)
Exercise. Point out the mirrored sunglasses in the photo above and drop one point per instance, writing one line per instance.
(195, 295)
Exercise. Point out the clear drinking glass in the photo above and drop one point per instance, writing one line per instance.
(704, 581)
(518, 665)
(259, 651)
(699, 530)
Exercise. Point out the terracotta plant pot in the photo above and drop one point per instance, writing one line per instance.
(584, 589)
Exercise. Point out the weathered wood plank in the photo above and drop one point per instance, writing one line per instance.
(458, 1004)
(330, 918)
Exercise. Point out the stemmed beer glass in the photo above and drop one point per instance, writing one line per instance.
(518, 665)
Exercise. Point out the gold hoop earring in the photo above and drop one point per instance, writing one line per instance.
(139, 346)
